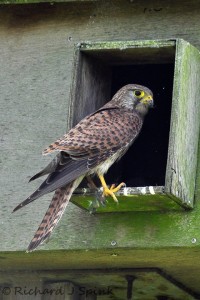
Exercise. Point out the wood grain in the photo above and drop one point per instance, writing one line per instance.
(185, 121)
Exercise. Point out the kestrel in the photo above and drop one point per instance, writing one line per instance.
(90, 148)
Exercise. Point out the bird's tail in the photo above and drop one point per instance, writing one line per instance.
(56, 208)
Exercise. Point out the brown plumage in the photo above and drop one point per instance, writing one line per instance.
(91, 147)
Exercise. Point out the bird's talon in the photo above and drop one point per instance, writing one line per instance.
(117, 188)
(111, 191)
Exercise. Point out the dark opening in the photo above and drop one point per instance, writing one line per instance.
(145, 162)
(100, 74)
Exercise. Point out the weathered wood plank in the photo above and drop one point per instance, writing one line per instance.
(61, 291)
(185, 120)
(131, 52)
(90, 88)
(101, 270)
(130, 199)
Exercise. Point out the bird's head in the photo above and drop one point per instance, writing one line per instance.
(136, 97)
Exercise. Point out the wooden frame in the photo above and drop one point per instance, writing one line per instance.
(93, 63)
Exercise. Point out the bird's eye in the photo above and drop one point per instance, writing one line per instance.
(138, 93)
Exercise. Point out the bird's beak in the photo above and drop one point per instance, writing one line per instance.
(148, 100)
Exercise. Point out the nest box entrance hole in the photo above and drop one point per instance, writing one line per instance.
(99, 74)
(145, 162)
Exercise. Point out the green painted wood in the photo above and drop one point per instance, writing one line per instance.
(130, 199)
(185, 120)
(61, 291)
(112, 284)
(100, 268)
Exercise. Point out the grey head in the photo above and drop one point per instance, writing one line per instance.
(135, 97)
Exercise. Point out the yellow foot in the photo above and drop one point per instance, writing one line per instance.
(112, 190)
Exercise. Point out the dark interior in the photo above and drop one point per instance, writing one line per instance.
(145, 162)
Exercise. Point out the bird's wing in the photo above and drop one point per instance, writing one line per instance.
(50, 167)
(84, 128)
(56, 208)
(65, 172)
(105, 130)
(99, 136)
(87, 145)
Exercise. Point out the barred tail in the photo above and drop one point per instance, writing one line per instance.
(56, 208)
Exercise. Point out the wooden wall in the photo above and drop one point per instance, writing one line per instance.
(36, 66)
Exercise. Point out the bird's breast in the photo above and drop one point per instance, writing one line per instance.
(104, 166)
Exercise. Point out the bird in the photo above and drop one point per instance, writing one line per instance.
(89, 149)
